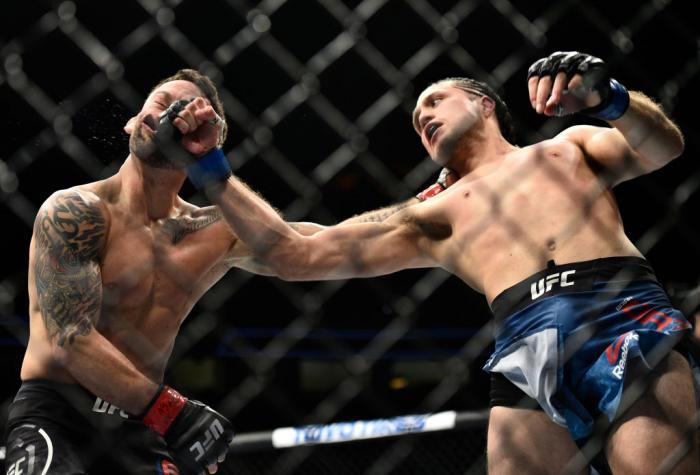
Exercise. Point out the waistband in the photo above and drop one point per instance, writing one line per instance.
(55, 398)
(569, 278)
(37, 387)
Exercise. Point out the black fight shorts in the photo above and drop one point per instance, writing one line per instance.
(61, 429)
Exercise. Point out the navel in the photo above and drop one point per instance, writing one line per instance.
(551, 244)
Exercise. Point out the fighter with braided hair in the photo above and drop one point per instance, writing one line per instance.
(586, 333)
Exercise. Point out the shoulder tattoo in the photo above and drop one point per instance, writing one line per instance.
(69, 235)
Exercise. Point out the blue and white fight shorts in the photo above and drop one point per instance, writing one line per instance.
(566, 335)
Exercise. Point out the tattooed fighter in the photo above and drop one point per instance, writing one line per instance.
(114, 268)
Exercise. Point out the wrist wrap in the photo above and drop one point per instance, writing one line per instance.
(431, 191)
(212, 167)
(613, 106)
(163, 411)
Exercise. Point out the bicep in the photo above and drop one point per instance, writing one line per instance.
(69, 233)
(609, 150)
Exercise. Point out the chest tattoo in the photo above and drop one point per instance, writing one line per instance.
(178, 228)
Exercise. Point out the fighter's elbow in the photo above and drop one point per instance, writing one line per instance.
(676, 145)
(662, 151)
(671, 144)
(287, 272)
(62, 355)
(291, 263)
(68, 345)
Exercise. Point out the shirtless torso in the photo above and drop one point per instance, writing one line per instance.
(511, 213)
(136, 279)
(542, 202)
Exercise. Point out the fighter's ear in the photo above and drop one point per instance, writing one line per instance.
(488, 105)
(129, 127)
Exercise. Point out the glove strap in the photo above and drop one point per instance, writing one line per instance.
(212, 167)
(163, 411)
(431, 191)
(614, 107)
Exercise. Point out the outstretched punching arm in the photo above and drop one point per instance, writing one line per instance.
(342, 251)
(352, 250)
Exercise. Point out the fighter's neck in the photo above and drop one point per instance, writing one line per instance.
(151, 191)
(480, 157)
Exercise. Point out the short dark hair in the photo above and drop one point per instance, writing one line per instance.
(209, 89)
(505, 120)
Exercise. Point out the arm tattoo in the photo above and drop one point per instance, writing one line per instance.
(379, 215)
(69, 234)
(178, 228)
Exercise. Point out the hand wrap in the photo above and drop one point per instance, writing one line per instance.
(212, 167)
(197, 434)
(614, 97)
(436, 188)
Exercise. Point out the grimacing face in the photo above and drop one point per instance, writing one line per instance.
(141, 128)
(443, 116)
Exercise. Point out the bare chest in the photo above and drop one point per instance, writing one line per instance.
(159, 267)
(535, 205)
(523, 191)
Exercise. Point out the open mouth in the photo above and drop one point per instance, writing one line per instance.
(150, 122)
(430, 130)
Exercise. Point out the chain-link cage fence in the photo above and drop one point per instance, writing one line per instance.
(319, 96)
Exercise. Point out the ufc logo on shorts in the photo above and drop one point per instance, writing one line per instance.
(213, 433)
(103, 407)
(23, 466)
(542, 286)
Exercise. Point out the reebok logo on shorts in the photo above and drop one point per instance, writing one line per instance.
(612, 352)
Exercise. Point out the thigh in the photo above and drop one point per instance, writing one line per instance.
(522, 441)
(658, 429)
(34, 449)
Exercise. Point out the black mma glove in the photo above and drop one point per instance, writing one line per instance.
(212, 167)
(197, 434)
(167, 136)
(445, 179)
(614, 97)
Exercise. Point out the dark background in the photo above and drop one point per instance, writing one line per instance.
(319, 95)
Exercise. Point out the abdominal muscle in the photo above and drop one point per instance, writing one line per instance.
(144, 333)
(509, 225)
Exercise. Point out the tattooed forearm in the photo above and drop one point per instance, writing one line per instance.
(69, 233)
(380, 214)
(178, 228)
